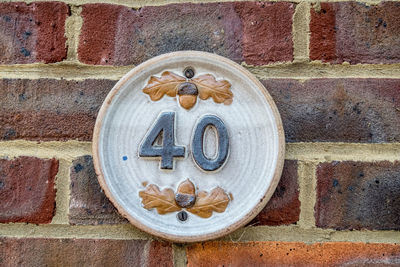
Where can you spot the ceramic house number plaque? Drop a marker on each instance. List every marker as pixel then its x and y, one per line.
pixel 188 146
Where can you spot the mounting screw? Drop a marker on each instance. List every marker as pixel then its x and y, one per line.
pixel 188 72
pixel 182 216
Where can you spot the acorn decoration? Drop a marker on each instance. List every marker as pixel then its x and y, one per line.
pixel 187 93
pixel 185 196
pixel 188 88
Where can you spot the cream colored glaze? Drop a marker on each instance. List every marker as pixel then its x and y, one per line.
pixel 252 117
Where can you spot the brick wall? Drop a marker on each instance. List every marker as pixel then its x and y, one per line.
pixel 333 69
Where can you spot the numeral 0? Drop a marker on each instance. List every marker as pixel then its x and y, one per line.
pixel 198 146
pixel 165 125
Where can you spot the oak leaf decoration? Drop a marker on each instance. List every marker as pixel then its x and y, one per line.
pixel 167 84
pixel 163 201
pixel 203 204
pixel 217 200
pixel 205 86
pixel 210 87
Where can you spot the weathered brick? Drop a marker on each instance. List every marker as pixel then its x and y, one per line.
pixel 88 204
pixel 292 254
pixel 47 109
pixel 284 205
pixel 357 195
pixel 32 33
pixel 323 33
pixel 83 252
pixel 338 110
pixel 355 32
pixel 257 33
pixel 133 36
pixel 27 192
pixel 267 31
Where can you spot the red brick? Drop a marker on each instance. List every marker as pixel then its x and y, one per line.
pixel 323 33
pixel 84 252
pixel 358 195
pixel 32 33
pixel 356 33
pixel 284 206
pixel 160 254
pixel 338 110
pixel 257 33
pixel 267 31
pixel 27 192
pixel 88 204
pixel 292 254
pixel 47 109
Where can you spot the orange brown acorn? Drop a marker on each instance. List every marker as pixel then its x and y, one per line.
pixel 188 88
pixel 202 204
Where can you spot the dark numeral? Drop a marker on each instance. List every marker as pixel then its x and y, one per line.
pixel 165 124
pixel 198 146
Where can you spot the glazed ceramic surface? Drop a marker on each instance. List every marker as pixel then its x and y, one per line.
pixel 246 178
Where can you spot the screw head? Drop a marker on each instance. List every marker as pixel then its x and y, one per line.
pixel 188 72
pixel 182 216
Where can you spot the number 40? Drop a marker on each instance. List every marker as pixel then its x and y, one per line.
pixel 165 125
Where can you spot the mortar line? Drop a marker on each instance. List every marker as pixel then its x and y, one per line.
pixel 63 193
pixel 327 152
pixel 308 152
pixel 307 193
pixel 290 233
pixel 300 32
pixel 142 3
pixel 295 233
pixel 119 232
pixel 67 70
pixel 179 253
pixel 73 26
pixel 53 149
pixel 319 70
pixel 71 70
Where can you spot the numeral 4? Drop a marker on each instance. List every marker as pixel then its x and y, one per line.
pixel 165 124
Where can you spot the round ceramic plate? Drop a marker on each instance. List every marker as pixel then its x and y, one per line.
pixel 188 146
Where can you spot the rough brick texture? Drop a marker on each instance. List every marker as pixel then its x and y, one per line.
pixel 357 195
pixel 257 33
pixel 27 192
pixel 338 110
pixel 267 31
pixel 32 33
pixel 292 254
pixel 88 204
pixel 47 109
pixel 355 33
pixel 284 206
pixel 83 252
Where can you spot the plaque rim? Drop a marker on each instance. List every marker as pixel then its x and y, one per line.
pixel 245 219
